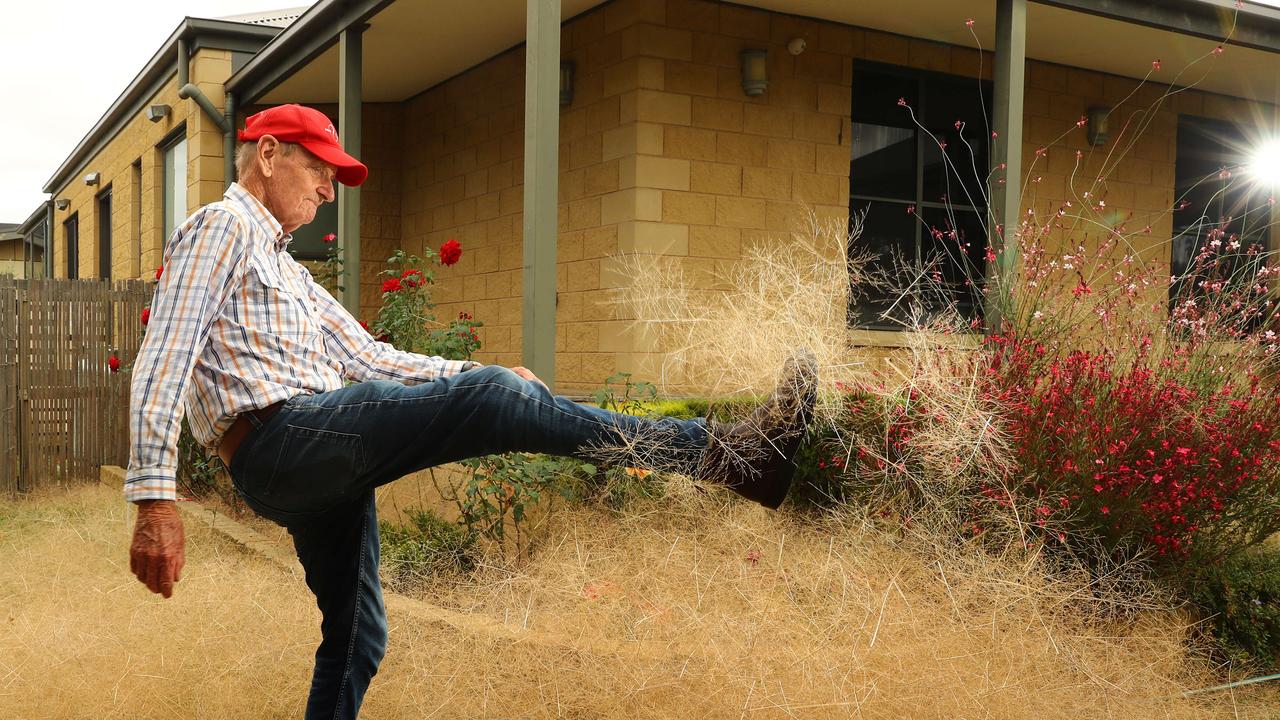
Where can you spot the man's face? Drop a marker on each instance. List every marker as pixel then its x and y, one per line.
pixel 299 184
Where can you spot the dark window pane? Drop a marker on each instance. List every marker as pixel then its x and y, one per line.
pixel 876 94
pixel 887 247
pixel 960 180
pixel 308 241
pixel 953 249
pixel 884 162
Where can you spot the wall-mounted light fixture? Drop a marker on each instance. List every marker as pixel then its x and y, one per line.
pixel 566 82
pixel 755 74
pixel 62 203
pixel 1097 132
pixel 92 178
pixel 156 113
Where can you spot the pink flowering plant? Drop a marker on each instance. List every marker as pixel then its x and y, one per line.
pixel 1116 410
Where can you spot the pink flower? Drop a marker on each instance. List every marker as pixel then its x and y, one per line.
pixel 450 252
pixel 329 238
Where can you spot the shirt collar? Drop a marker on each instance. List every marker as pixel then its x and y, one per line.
pixel 237 194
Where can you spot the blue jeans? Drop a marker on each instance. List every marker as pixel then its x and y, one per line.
pixel 313 466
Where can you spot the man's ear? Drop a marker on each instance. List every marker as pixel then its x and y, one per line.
pixel 268 151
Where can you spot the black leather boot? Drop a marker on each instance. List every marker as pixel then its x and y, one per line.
pixel 754 458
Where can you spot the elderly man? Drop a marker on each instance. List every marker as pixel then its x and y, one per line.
pixel 255 353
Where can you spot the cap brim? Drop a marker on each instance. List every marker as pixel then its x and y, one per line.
pixel 350 171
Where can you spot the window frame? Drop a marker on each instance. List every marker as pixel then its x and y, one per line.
pixel 856 316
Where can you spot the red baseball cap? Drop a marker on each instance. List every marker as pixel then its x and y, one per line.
pixel 312 130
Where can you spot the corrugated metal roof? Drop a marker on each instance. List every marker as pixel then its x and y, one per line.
pixel 274 18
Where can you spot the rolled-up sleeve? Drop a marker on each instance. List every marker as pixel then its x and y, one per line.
pixel 202 265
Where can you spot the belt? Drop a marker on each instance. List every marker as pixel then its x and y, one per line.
pixel 241 428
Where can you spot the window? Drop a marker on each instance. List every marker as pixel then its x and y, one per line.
pixel 1216 200
pixel 175 184
pixel 71 231
pixel 308 241
pixel 135 219
pixel 922 193
pixel 103 222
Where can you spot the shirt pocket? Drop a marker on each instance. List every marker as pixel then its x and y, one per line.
pixel 279 303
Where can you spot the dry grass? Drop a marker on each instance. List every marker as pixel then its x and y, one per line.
pixel 692 610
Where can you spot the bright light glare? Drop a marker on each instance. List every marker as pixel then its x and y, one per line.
pixel 1264 166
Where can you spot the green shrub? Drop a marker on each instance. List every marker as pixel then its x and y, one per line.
pixel 426 547
pixel 1240 603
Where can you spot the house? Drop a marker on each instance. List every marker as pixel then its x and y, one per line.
pixel 687 128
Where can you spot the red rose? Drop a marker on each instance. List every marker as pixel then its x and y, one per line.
pixel 329 238
pixel 450 252
pixel 411 278
pixel 146 315
pixel 391 285
pixel 113 363
pixel 159 272
pixel 364 325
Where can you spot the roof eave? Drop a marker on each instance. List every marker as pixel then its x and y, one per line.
pixel 1255 26
pixel 158 69
pixel 298 44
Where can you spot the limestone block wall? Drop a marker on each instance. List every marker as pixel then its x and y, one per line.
pixel 137 204
pixel 662 153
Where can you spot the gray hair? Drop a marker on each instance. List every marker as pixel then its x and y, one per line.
pixel 247 152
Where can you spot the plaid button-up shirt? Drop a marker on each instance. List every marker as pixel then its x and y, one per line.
pixel 237 324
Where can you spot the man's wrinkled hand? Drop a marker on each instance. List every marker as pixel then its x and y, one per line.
pixel 158 551
pixel 527 374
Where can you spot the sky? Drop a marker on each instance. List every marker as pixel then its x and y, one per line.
pixel 66 61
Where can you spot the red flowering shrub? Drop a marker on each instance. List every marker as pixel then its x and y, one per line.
pixel 1141 454
pixel 406 319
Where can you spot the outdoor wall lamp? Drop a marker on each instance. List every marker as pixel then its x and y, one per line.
pixel 156 113
pixel 755 76
pixel 62 203
pixel 92 178
pixel 1097 132
pixel 566 82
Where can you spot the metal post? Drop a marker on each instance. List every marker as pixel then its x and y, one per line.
pixel 349 109
pixel 1006 183
pixel 541 175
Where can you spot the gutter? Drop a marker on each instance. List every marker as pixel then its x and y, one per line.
pixel 158 70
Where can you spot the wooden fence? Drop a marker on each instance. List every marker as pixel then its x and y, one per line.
pixel 63 413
